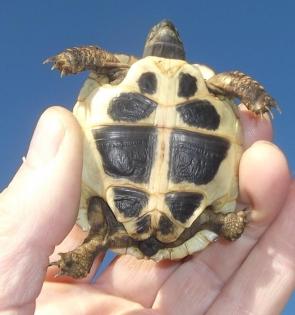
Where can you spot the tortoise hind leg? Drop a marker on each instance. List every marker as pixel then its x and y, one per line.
pixel 229 225
pixel 105 232
pixel 77 263
pixel 232 224
pixel 237 84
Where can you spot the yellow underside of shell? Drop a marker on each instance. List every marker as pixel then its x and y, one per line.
pixel 91 110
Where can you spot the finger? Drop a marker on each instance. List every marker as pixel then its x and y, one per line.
pixel 57 298
pixel 150 276
pixel 38 208
pixel 254 128
pixel 205 274
pixel 141 278
pixel 268 274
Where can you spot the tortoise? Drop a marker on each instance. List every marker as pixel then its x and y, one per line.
pixel 162 143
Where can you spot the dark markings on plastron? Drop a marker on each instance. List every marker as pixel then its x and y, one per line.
pixel 131 107
pixel 165 225
pixel 195 157
pixel 150 246
pixel 143 224
pixel 147 83
pixel 183 204
pixel 187 85
pixel 126 151
pixel 199 113
pixel 129 201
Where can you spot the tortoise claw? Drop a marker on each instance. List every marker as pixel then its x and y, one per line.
pixel 54 67
pixel 58 264
pixel 53 263
pixel 46 61
pixel 49 60
pixel 63 73
pixel 60 62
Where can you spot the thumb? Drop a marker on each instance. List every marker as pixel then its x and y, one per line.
pixel 38 208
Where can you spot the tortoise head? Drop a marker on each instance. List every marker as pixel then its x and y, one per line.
pixel 163 41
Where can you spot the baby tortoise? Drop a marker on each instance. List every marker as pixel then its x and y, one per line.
pixel 162 144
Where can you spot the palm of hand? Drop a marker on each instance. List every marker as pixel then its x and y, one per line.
pixel 253 275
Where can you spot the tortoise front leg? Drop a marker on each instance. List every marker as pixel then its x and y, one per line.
pixel 237 84
pixel 78 59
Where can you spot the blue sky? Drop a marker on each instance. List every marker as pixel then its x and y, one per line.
pixel 257 37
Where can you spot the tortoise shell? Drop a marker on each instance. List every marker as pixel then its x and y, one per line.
pixel 159 149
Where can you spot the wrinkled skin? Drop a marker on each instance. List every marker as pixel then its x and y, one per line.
pixel 255 274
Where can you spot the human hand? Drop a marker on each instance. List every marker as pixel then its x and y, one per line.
pixel 254 275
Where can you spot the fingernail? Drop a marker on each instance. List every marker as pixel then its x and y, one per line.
pixel 46 140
